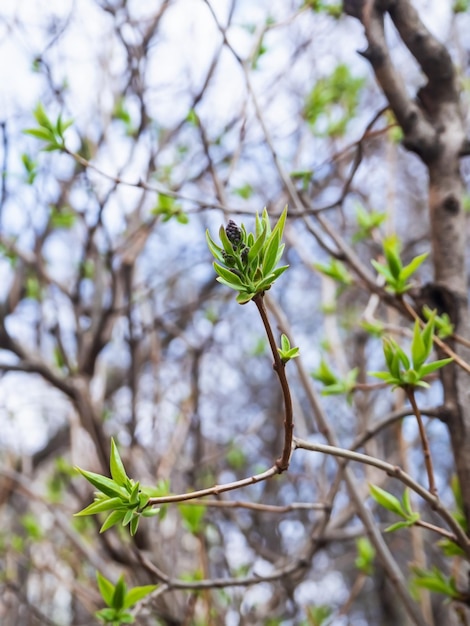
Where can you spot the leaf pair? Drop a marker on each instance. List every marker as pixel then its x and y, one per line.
pixel 125 500
pixel 335 385
pixel 51 133
pixel 118 599
pixel 246 262
pixel 286 352
pixel 402 507
pixel 409 371
pixel 168 208
pixel 396 275
pixel 335 270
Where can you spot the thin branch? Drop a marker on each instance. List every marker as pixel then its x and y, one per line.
pixel 262 508
pixel 383 552
pixel 388 421
pixel 216 489
pixel 424 440
pixel 396 472
pixel 280 368
pixel 220 583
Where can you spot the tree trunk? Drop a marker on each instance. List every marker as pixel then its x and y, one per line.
pixel 433 128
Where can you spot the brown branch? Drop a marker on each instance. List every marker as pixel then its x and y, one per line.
pixel 279 366
pixel 263 508
pixel 216 489
pixel 396 472
pixel 420 134
pixel 219 583
pixel 424 440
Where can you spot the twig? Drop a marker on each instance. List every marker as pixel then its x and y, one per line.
pixel 424 440
pixel 279 366
pixel 216 489
pixel 396 472
pixel 263 508
pixel 441 344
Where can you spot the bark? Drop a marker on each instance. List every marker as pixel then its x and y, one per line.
pixel 433 128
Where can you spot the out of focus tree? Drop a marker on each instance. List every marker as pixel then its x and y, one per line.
pixel 186 114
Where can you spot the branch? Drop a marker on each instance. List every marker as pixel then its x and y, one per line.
pixel 396 472
pixel 279 366
pixel 420 134
pixel 216 489
pixel 219 583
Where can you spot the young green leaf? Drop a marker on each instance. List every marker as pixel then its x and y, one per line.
pixel 116 466
pixel 120 590
pixel 411 268
pixel 113 518
pixel 134 525
pixel 104 484
pixel 418 349
pixel 106 588
pixel 387 500
pixel 192 516
pixel 99 506
pixel 136 594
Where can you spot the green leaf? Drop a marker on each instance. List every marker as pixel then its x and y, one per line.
pixel 385 376
pixel 280 223
pixel 214 248
pixel 129 514
pixel 62 126
pixel 40 133
pixel 106 588
pixel 387 500
pixel 406 501
pixel 120 590
pixel 192 515
pixel 230 278
pixel 136 594
pixel 41 117
pixel 108 616
pixel 435 581
pixel 418 349
pixel 270 252
pixel 411 268
pixel 285 343
pixel 116 466
pixel 226 243
pixel 257 247
pixel 99 506
pixel 450 548
pixel 324 374
pixel 244 297
pixel 335 270
pixel 427 334
pixel 245 192
pixel 134 493
pixel 104 484
pixel 113 518
pixel 278 271
pixel 382 269
pixel 391 251
pixel 134 525
pixel 365 555
pixel 428 368
pixel 151 512
pixel 401 354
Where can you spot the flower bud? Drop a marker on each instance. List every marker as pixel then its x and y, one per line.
pixel 229 260
pixel 234 234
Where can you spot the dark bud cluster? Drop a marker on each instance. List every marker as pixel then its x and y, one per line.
pixel 244 255
pixel 229 260
pixel 234 234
